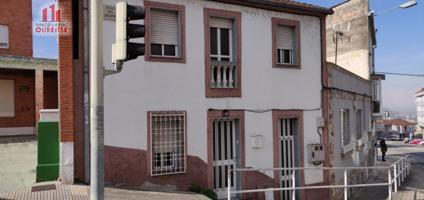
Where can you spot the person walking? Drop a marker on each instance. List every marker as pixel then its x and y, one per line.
pixel 383 148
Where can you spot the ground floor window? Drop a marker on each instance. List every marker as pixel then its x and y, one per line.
pixel 167 135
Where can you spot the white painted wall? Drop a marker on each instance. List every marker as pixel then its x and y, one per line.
pixel 149 86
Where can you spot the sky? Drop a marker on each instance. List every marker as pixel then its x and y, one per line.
pixel 400 48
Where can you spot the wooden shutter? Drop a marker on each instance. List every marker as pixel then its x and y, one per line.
pixel 285 37
pixel 164 27
pixel 220 22
pixel 4 36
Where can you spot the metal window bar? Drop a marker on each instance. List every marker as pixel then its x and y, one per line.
pixel 404 168
pixel 167 130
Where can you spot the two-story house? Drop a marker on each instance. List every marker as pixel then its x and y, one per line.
pixel 222 85
pixel 27 84
pixel 354 91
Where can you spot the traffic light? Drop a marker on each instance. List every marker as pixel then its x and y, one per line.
pixel 123 50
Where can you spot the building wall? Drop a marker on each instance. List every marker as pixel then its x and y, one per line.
pixel 420 110
pixel 50 90
pixel 17 15
pixel 24 86
pixel 353 49
pixel 151 86
pixel 343 95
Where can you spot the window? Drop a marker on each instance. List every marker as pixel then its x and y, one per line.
pixel 167 135
pixel 221 39
pixel 222 53
pixel 4 37
pixel 165 33
pixel 7 98
pixel 359 124
pixel 286 43
pixel 345 127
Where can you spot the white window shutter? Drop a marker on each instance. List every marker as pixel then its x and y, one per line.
pixel 285 37
pixel 164 27
pixel 220 22
pixel 4 36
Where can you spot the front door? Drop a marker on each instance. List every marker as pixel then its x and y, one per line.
pixel 225 154
pixel 288 158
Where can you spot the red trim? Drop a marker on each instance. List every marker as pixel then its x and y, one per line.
pixel 276 116
pixel 222 92
pixel 149 156
pixel 181 13
pixel 296 26
pixel 217 114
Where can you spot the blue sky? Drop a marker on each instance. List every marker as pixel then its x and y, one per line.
pixel 400 48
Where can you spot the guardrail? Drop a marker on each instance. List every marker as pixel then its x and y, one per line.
pixel 396 174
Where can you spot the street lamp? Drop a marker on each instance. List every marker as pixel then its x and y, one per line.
pixel 405 5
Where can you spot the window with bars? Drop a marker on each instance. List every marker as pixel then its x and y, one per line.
pixel 345 127
pixel 221 39
pixel 4 37
pixel 286 44
pixel 164 33
pixel 167 135
pixel 359 124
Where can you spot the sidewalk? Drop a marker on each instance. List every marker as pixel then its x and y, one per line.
pixel 58 191
pixel 411 189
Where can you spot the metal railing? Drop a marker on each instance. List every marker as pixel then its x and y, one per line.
pixel 396 174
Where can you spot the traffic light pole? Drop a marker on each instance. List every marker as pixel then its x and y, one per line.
pixel 96 101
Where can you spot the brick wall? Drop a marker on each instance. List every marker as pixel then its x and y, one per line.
pixel 24 98
pixel 66 76
pixel 17 15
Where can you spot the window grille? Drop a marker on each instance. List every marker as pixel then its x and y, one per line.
pixel 168 153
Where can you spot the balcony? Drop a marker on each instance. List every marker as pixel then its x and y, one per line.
pixel 222 75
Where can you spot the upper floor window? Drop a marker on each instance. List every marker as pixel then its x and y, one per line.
pixel 222 53
pixel 4 37
pixel 286 44
pixel 165 33
pixel 221 39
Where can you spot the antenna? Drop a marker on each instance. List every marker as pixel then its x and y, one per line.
pixel 340 31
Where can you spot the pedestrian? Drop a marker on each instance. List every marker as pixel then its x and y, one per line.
pixel 411 135
pixel 383 147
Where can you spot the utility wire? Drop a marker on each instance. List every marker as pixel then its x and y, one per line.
pixel 400 74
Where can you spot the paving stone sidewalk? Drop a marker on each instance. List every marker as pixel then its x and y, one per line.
pixel 58 191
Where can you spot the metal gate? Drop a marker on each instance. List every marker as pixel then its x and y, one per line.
pixel 287 157
pixel 224 154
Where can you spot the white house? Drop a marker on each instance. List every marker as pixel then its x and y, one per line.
pixel 420 110
pixel 222 85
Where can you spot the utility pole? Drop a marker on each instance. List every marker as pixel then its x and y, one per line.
pixel 96 101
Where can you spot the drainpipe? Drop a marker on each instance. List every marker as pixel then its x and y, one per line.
pixel 96 100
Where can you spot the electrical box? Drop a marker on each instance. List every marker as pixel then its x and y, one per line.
pixel 316 153
pixel 256 141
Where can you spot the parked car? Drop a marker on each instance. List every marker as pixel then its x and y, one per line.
pixel 394 138
pixel 416 141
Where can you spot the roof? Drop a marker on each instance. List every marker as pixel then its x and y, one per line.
pixel 282 6
pixel 397 122
pixel 422 90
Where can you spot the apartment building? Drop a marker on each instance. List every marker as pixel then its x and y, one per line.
pixel 27 84
pixel 222 85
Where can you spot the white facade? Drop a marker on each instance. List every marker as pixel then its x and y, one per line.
pixel 420 110
pixel 157 86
